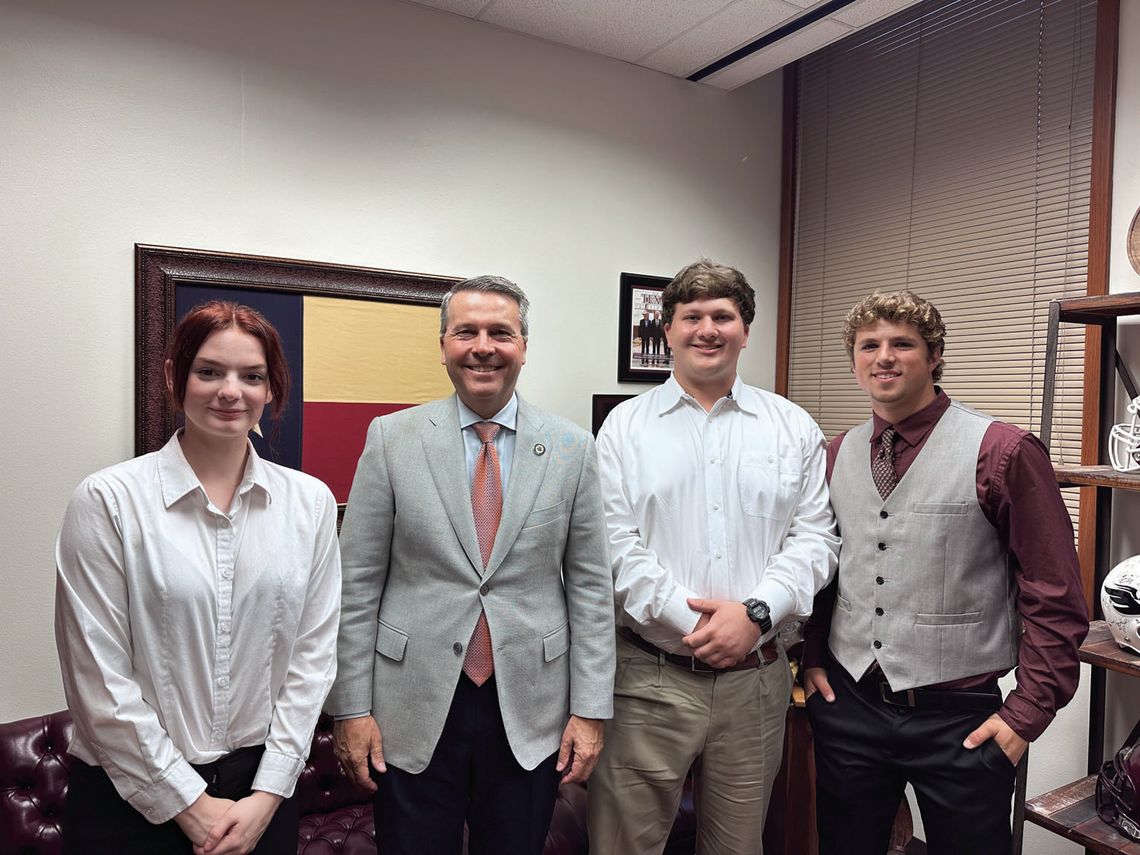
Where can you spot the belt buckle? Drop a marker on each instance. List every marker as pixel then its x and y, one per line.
pixel 885 691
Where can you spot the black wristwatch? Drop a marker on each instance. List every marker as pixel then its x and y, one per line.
pixel 759 614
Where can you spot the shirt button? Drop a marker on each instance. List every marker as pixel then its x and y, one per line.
pixel 717 556
pixel 484 589
pixel 712 460
pixel 227 574
pixel 878 580
pixel 457 647
pixel 882 546
pixel 716 507
pixel 223 627
pixel 223 681
pixel 883 515
pixel 879 612
pixel 218 734
pixel 878 644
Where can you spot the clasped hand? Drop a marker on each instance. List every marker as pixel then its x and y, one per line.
pixel 225 827
pixel 724 634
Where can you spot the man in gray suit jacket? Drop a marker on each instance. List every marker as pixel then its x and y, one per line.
pixel 451 725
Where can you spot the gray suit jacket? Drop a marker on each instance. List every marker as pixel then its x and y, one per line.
pixel 414 584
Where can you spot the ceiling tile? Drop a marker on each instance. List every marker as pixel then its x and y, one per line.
pixel 800 44
pixel 866 12
pixel 623 29
pixel 738 24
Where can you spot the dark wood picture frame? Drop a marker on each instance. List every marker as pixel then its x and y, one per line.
pixel 639 360
pixel 600 406
pixel 160 270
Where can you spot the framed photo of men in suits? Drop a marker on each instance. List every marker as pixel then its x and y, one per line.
pixel 643 351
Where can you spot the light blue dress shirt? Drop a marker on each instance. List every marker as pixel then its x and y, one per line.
pixel 504 441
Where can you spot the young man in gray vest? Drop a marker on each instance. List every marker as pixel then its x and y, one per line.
pixel 957 565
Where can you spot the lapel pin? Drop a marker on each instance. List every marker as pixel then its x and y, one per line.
pixel 539 449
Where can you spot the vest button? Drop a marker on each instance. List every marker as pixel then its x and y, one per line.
pixel 879 612
pixel 878 580
pixel 484 589
pixel 878 644
pixel 883 515
pixel 882 546
pixel 457 647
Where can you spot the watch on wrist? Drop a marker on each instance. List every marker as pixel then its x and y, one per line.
pixel 759 614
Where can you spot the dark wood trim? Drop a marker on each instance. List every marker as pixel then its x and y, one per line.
pixel 787 229
pixel 160 269
pixel 1100 228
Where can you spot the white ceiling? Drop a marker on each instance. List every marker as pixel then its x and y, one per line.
pixel 683 37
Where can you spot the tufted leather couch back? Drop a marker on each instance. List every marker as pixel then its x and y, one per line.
pixel 336 817
pixel 33 781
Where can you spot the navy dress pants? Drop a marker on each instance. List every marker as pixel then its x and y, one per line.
pixel 472 777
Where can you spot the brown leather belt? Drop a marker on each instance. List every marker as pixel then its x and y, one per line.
pixel 767 654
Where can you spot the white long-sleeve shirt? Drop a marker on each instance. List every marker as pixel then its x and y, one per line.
pixel 185 632
pixel 728 504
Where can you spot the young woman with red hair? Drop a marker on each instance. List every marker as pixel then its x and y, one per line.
pixel 197 602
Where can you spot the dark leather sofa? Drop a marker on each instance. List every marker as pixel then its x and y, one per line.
pixel 336 817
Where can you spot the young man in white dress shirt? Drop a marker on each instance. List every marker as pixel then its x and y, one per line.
pixel 720 530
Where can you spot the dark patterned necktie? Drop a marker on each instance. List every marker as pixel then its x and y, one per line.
pixel 487 505
pixel 883 467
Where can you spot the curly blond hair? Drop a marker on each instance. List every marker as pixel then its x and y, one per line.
pixel 898 307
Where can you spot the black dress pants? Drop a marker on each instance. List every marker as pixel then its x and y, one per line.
pixel 97 821
pixel 867 750
pixel 472 776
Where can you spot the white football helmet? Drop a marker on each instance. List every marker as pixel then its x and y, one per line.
pixel 1120 601
pixel 1124 441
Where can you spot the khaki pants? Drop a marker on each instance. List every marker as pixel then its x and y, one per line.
pixel 729 728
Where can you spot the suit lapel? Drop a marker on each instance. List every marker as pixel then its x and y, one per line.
pixel 443 448
pixel 528 469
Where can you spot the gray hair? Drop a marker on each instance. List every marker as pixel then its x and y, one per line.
pixel 494 285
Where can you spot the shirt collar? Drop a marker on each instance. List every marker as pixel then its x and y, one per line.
pixel 177 478
pixel 672 394
pixel 507 416
pixel 917 425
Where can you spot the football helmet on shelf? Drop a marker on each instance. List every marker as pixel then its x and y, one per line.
pixel 1118 788
pixel 1120 602
pixel 1124 441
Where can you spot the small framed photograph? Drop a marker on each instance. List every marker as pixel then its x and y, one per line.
pixel 643 351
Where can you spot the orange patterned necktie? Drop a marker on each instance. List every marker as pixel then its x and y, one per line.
pixel 487 504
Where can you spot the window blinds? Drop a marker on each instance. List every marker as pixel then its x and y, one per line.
pixel 947 150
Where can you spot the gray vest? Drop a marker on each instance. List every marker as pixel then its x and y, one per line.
pixel 923 583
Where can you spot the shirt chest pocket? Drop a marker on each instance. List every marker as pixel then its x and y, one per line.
pixel 769 485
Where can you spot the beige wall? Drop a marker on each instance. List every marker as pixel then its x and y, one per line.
pixel 354 131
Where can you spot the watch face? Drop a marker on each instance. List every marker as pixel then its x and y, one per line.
pixel 758 611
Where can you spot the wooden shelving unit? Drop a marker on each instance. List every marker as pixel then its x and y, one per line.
pixel 1101 649
pixel 1070 811
pixel 1096 476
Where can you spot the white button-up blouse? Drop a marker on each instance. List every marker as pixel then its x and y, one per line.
pixel 185 632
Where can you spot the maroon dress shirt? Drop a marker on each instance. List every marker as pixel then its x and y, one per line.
pixel 1017 492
